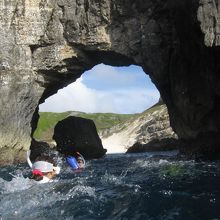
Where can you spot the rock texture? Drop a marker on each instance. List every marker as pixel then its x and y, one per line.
pixel 40 148
pixel 166 144
pixel 152 126
pixel 47 44
pixel 78 134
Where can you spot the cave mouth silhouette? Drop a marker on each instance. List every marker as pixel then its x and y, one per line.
pixel 102 89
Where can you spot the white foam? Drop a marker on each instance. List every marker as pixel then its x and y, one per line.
pixel 33 196
pixel 117 180
pixel 18 183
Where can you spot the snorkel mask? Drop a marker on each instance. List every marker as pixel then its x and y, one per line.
pixel 81 158
pixel 40 167
pixel 73 161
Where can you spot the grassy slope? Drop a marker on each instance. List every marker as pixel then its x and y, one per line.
pixel 102 121
pixel 46 124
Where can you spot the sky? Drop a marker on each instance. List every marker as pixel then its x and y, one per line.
pixel 123 90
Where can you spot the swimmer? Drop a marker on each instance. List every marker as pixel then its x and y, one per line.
pixel 76 162
pixel 81 162
pixel 43 169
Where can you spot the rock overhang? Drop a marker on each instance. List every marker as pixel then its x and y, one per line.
pixel 48 44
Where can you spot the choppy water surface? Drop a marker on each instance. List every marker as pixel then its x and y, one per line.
pixel 135 186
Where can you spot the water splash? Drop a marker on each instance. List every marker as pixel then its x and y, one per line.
pixel 18 183
pixel 113 179
pixel 116 187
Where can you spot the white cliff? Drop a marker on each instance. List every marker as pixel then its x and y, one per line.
pixel 153 124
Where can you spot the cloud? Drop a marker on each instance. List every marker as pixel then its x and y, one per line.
pixel 78 97
pixel 105 89
pixel 104 77
pixel 127 101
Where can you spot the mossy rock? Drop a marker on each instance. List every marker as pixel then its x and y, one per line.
pixel 173 170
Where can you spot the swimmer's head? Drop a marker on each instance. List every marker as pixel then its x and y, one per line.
pixel 80 162
pixel 44 167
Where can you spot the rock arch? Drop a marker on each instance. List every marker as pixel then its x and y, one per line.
pixel 46 45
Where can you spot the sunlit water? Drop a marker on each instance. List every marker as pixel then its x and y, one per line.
pixel 133 186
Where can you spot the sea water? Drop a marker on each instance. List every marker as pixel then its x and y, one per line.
pixel 118 186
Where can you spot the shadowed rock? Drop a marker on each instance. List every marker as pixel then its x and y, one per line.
pixel 40 148
pixel 165 144
pixel 78 134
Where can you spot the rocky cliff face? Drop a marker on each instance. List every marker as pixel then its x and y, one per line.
pixel 149 126
pixel 47 44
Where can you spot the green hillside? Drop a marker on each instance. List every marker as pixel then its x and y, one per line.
pixel 48 120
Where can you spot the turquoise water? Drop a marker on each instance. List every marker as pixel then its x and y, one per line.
pixel 132 186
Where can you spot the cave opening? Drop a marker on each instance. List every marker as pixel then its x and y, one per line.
pixel 108 95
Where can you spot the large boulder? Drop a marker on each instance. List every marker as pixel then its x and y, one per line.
pixel 78 134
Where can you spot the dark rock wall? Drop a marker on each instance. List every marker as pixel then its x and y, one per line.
pixel 45 45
